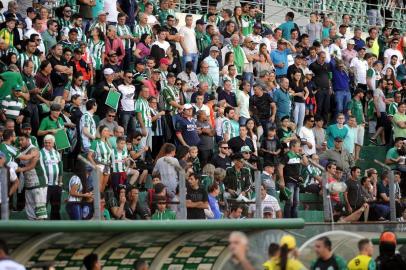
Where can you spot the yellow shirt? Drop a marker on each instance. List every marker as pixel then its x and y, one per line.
pixel 361 262
pixel 292 264
pixel 375 48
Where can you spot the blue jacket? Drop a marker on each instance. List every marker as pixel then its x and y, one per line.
pixel 341 80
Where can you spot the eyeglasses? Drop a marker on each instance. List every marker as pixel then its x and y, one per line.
pixel 112 116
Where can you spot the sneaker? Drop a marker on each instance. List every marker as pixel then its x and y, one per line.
pixel 372 140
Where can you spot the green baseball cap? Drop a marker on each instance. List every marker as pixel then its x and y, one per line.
pixel 17 87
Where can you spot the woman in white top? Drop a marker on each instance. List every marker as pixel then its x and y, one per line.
pixel 74 205
pixel 252 133
pixel 77 88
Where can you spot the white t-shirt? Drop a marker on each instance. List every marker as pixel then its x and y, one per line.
pixel 163 45
pixel 75 180
pixel 335 50
pixel 268 202
pixel 152 20
pixel 111 8
pixel 189 37
pixel 9 264
pixel 360 68
pixel 390 52
pixel 243 101
pixel 308 135
pixel 127 98
pixel 204 108
pixel 13 178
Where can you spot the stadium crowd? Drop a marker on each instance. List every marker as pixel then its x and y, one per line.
pixel 141 94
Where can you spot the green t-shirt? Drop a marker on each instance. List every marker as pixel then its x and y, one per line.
pixel 47 123
pixel 12 79
pixel 371 110
pixel 398 131
pixel 332 132
pixel 165 215
pixel 392 154
pixel 355 106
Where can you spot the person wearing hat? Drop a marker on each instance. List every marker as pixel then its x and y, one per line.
pixel 251 52
pixel 388 258
pixel 237 181
pixel 349 53
pixel 214 67
pixel 287 253
pixel 81 66
pixel 280 57
pixel 171 95
pixel 53 122
pixel 12 105
pixel 326 259
pixel 202 37
pixel 100 18
pixel 339 155
pixel 186 129
pixel 102 90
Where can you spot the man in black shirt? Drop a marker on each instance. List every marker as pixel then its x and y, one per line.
pixel 326 259
pixel 196 199
pixel 222 159
pixel 262 107
pixel 322 83
pixel 295 67
pixel 237 142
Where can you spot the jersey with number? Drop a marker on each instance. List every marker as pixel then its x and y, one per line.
pixel 361 262
pixel 142 106
pixel 51 161
pixel 118 160
pixel 102 151
pixel 96 53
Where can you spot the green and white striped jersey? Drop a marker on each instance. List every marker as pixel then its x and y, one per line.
pixel 12 106
pixel 81 37
pixel 96 51
pixel 24 57
pixel 139 30
pixel 102 26
pixel 170 93
pixel 51 162
pixel 102 151
pixel 118 160
pixel 230 127
pixel 392 109
pixel 75 180
pixel 142 106
pixel 123 30
pixel 87 121
pixel 9 150
pixel 63 23
pixel 34 178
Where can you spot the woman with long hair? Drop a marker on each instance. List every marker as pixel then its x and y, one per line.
pixel 11 59
pixel 237 18
pixel 300 94
pixel 143 48
pixel 97 52
pixel 390 76
pixel 288 254
pixel 252 133
pixel 100 155
pixel 78 88
pixel 272 83
pixel 228 60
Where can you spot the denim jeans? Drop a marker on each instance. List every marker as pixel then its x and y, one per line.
pixel 342 100
pixel 74 210
pixel 128 121
pixel 299 113
pixel 194 57
pixel 291 205
pixel 374 18
pixel 249 77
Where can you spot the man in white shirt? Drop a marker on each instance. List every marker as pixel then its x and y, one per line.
pixel 127 114
pixel 270 206
pixel 111 10
pixel 36 27
pixel 393 51
pixel 31 14
pixel 307 136
pixel 152 20
pixel 359 67
pixel 188 43
pixel 256 35
pixel 335 48
pixel 211 60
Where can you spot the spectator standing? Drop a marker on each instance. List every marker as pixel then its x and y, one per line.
pixel 196 199
pixel 189 45
pixel 186 129
pixel 279 57
pixel 338 154
pixel 307 136
pixel 355 109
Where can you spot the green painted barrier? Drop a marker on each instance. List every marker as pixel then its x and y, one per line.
pixel 148 225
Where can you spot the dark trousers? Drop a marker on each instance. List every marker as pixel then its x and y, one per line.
pixel 157 142
pixel 34 116
pixel 323 104
pixel 205 156
pixel 54 195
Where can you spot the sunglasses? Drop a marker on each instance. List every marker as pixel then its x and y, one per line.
pixel 390 83
pixel 112 116
pixel 226 147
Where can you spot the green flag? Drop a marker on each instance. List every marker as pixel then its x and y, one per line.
pixel 61 139
pixel 112 99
